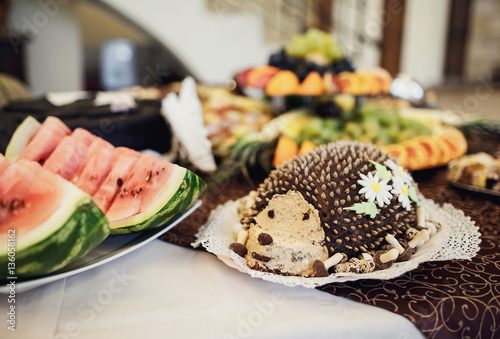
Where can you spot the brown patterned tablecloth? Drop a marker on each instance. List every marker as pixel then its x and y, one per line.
pixel 446 299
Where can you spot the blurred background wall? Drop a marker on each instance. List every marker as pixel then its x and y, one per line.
pixel 437 42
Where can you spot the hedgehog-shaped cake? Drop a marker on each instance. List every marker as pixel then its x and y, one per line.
pixel 343 207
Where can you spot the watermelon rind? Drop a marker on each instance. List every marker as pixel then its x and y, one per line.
pixel 184 188
pixel 21 137
pixel 72 231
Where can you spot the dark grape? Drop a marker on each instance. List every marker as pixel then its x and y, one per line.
pixel 328 109
pixel 284 61
pixel 342 65
pixel 301 74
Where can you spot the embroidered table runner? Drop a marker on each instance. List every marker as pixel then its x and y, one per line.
pixel 456 298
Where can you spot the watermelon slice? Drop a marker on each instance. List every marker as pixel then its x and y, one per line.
pixel 94 167
pixel 21 137
pixel 54 222
pixel 136 192
pixel 122 164
pixel 15 181
pixel 16 178
pixel 155 191
pixel 69 153
pixel 41 144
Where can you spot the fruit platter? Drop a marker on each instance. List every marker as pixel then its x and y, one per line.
pixel 65 192
pixel 418 141
pixel 312 64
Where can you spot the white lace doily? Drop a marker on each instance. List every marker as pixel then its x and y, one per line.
pixel 458 238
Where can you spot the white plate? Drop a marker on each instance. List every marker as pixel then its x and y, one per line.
pixel 111 248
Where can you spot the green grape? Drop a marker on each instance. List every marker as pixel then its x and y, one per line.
pixel 384 138
pixel 314 40
pixel 297 47
pixel 403 135
pixel 392 133
pixel 332 123
pixel 354 130
pixel 371 127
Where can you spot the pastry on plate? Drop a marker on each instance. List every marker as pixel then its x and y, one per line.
pixel 342 207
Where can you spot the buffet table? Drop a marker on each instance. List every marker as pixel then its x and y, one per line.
pixel 169 289
pixel 444 299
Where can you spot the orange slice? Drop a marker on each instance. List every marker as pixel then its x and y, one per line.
pixel 285 150
pixel 283 83
pixel 260 76
pixel 312 85
pixel 306 146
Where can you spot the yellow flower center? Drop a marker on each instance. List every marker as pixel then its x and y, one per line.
pixel 376 187
pixel 405 190
pixel 400 170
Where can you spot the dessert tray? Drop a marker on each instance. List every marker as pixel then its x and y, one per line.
pixel 474 188
pixel 458 238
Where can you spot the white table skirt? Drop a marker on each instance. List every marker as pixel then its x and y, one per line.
pixel 167 291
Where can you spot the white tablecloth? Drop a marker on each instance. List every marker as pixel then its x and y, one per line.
pixel 165 291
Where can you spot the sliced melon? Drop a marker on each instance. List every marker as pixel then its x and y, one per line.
pixel 15 180
pixel 123 162
pixel 94 167
pixel 69 153
pixel 118 178
pixel 156 192
pixel 54 222
pixel 42 143
pixel 431 149
pixel 21 137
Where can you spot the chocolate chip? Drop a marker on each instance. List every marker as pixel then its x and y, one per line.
pixel 238 248
pixel 319 269
pixel 270 214
pixel 265 239
pixel 119 182
pixel 259 257
pixel 306 216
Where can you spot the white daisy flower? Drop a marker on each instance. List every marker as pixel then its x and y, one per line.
pixel 401 189
pixel 399 171
pixel 375 189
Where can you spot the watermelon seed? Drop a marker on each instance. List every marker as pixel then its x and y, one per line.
pixel 4 204
pixel 139 190
pixel 149 176
pixel 157 172
pixel 119 182
pixel 13 205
